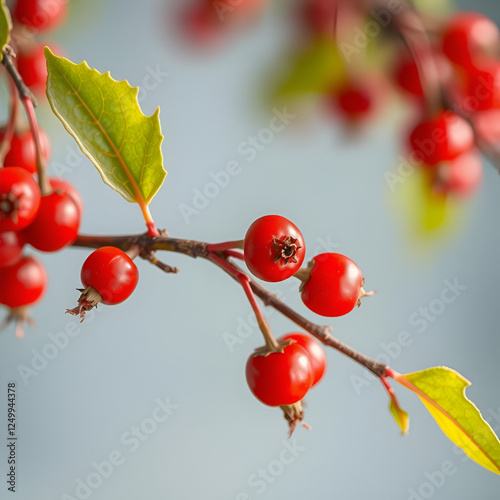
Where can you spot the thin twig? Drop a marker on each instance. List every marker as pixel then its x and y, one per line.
pixel 199 249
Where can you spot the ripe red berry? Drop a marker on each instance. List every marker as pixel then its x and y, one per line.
pixel 56 224
pixel 19 199
pixel 11 247
pixel 112 273
pixel 442 138
pixel 23 283
pixel 41 15
pixel 483 87
pixel 354 101
pixel 274 248
pixel 461 176
pixel 33 68
pixel 22 152
pixel 280 378
pixel 335 285
pixel 201 25
pixel 468 37
pixel 314 351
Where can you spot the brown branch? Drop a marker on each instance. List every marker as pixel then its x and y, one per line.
pixel 24 91
pixel 195 249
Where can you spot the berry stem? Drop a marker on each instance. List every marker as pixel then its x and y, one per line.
pixel 41 164
pixel 226 245
pixel 235 254
pixel 271 342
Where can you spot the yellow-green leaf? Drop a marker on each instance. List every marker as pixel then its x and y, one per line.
pixel 442 390
pixel 315 70
pixel 400 416
pixel 104 117
pixel 5 26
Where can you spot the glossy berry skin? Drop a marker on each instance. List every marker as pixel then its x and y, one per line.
pixel 274 248
pixel 33 69
pixel 19 199
pixel 41 15
pixel 23 283
pixel 280 378
pixel 462 176
pixel 11 247
pixel 112 273
pixel 56 223
pixel 58 184
pixel 22 152
pixel 314 351
pixel 442 138
pixel 468 37
pixel 334 286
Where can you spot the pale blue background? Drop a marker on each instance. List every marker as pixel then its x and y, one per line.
pixel 167 340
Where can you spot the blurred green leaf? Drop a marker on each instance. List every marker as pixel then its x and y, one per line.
pixel 315 70
pixel 5 26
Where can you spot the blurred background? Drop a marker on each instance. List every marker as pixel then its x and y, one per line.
pixel 148 399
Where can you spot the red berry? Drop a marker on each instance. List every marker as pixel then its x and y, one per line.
pixel 314 351
pixel 112 273
pixel 320 16
pixel 11 247
pixel 56 224
pixel 33 68
pixel 483 87
pixel 469 36
pixel 354 101
pixel 280 378
pixel 442 138
pixel 22 283
pixel 22 152
pixel 461 176
pixel 19 199
pixel 274 248
pixel 334 286
pixel 201 24
pixel 41 15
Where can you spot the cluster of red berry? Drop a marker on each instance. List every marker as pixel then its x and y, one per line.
pixel 32 17
pixel 274 249
pixel 48 223
pixel 281 373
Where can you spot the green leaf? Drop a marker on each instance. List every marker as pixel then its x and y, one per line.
pixel 442 390
pixel 315 70
pixel 104 117
pixel 5 26
pixel 400 416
